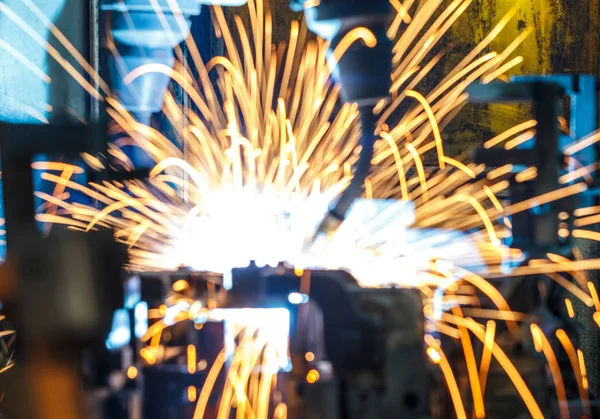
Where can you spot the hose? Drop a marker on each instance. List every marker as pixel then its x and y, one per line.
pixel 337 213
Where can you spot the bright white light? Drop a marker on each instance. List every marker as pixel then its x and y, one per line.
pixel 227 280
pixel 376 243
pixel 120 334
pixel 272 324
pixel 174 311
pixel 237 228
pixel 141 319
pixel 297 298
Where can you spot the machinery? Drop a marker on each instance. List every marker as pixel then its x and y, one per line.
pixel 359 342
pixel 146 32
pixel 363 74
pixel 366 345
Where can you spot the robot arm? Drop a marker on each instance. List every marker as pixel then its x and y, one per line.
pixel 363 74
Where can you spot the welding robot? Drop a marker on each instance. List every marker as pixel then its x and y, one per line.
pixel 371 338
pixel 368 355
pixel 367 343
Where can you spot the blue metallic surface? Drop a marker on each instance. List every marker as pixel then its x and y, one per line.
pixel 22 92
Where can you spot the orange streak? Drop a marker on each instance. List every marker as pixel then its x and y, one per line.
pixel 581 212
pixel 509 133
pixel 460 166
pixel 521 139
pixel 486 356
pixel 583 143
pixel 398 161
pixel 527 174
pixel 572 354
pixel 505 363
pixel 191 359
pixel 545 198
pixel 208 386
pixel 352 36
pixel 472 372
pixel 586 234
pixel 449 378
pixel 570 309
pixel 501 171
pixel 434 125
pixel 594 294
pixel 501 70
pixel 559 385
pixel 586 221
pixel 487 222
pixel 48 165
pixel 584 380
pixel 572 288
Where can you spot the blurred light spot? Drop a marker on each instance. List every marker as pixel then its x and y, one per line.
pixel 312 376
pixel 297 298
pixel 132 372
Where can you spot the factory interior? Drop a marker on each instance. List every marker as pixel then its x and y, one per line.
pixel 299 209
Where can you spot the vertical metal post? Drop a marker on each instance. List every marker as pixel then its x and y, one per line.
pixel 94 32
pixel 547 107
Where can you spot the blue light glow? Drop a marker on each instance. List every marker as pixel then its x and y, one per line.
pixel 297 298
pixel 141 319
pixel 120 334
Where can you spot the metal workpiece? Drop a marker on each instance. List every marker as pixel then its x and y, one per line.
pixel 142 37
pixel 366 344
pixel 373 339
pixel 144 95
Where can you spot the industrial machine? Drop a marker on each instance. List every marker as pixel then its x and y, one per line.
pixel 364 346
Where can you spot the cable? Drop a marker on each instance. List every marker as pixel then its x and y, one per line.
pixel 337 213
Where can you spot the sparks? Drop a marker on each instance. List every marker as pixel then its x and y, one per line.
pixel 265 151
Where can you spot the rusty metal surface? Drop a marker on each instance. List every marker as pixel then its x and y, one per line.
pixel 564 40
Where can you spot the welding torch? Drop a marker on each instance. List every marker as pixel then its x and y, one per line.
pixel 363 74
